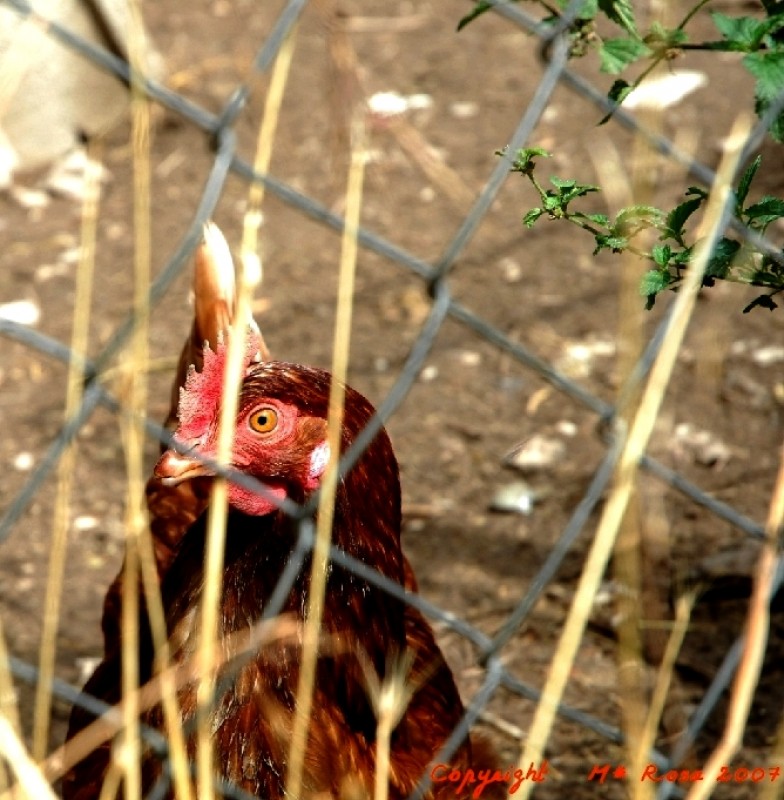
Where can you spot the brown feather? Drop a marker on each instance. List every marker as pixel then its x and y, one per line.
pixel 362 626
pixel 366 633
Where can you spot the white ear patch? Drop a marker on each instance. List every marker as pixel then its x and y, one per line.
pixel 319 459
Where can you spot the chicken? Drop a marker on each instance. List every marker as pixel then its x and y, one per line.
pixel 174 508
pixel 367 635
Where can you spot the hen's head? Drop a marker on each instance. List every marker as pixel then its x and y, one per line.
pixel 281 428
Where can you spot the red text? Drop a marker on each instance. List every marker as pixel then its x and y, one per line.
pixel 478 780
pixel 651 773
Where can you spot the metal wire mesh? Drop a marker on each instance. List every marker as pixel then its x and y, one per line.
pixel 218 128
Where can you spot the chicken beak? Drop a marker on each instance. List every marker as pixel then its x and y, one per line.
pixel 173 468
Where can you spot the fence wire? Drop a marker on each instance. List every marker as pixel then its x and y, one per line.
pixel 218 129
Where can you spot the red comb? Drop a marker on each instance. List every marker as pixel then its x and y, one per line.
pixel 201 395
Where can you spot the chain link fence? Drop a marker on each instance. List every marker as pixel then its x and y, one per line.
pixel 218 128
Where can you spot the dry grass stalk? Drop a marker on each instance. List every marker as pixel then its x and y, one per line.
pixel 391 697
pixel 235 646
pixel 32 785
pixel 113 780
pixel 136 402
pixel 344 90
pixel 386 25
pixel 9 709
pixel 250 277
pixel 340 357
pixel 178 754
pixel 645 743
pixel 216 532
pixel 774 790
pixel 634 447
pixel 390 701
pixel 67 464
pixel 623 191
pixel 431 163
pixel 644 534
pixel 757 627
pixel 249 247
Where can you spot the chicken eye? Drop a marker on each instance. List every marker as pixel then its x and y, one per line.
pixel 263 420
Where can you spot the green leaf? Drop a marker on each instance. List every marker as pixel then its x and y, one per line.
pixel 528 153
pixel 745 183
pixel 767 210
pixel 747 260
pixel 633 219
pixel 560 183
pixel 776 129
pixel 721 259
pixel 553 202
pixel 475 12
pixel 617 54
pixel 763 277
pixel 661 38
pixel 524 158
pixel 772 264
pixel 619 91
pixel 615 243
pixel 742 33
pixel 682 257
pixel 569 189
pixel 748 34
pixel 677 218
pixel 661 254
pixel 771 25
pixel 531 217
pixel 597 219
pixel 768 69
pixel 587 11
pixel 620 12
pixel 763 301
pixel 654 281
pixel 579 191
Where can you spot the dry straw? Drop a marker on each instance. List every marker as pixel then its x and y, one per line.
pixel 641 749
pixel 216 536
pixel 623 191
pixel 9 710
pixel 31 783
pixel 340 356
pixel 250 277
pixel 634 448
pixel 644 530
pixel 178 676
pixel 757 628
pixel 67 464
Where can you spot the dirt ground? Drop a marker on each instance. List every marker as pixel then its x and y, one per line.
pixel 720 426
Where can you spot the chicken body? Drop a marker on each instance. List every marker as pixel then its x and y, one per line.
pixel 280 439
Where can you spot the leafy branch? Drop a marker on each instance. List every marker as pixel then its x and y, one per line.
pixel 732 259
pixel 761 40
